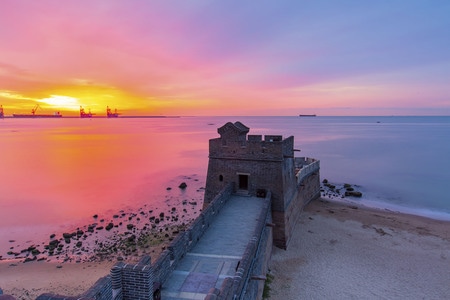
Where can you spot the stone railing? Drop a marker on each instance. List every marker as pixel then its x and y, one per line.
pixel 307 167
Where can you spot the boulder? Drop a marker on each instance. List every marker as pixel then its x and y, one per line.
pixel 353 194
pixel 109 226
pixel 182 185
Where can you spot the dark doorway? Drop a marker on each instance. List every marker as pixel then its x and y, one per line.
pixel 243 182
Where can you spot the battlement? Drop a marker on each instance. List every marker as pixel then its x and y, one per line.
pixel 235 144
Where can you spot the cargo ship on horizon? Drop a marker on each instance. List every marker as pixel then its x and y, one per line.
pixel 34 115
pixel 111 114
pixel 84 114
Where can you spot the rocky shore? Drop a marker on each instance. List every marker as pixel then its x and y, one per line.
pixel 92 249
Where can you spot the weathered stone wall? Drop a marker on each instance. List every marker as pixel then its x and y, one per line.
pixel 261 176
pixel 101 290
pixel 308 189
pixel 260 159
pixel 137 282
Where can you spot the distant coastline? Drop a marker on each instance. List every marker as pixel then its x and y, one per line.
pixel 94 117
pixel 312 115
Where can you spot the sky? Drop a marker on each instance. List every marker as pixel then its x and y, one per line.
pixel 233 57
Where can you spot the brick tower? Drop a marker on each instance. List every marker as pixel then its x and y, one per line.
pixel 255 166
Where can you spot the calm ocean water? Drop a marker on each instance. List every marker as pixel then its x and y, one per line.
pixel 57 173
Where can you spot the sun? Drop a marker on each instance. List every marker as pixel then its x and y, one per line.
pixel 64 102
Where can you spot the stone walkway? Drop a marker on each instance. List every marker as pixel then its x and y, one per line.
pixel 218 253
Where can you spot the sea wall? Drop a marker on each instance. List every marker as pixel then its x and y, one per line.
pixel 308 189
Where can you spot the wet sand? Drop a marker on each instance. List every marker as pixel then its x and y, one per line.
pixel 345 251
pixel 29 280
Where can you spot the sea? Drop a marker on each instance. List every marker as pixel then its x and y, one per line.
pixel 56 174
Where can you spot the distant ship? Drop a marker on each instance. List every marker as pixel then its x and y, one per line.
pixel 111 114
pixel 84 114
pixel 34 115
pixel 1 111
pixel 307 115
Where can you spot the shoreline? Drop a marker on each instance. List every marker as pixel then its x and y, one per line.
pixel 323 226
pixel 369 215
pixel 343 251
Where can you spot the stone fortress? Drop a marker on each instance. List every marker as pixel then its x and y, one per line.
pixel 255 166
pixel 255 191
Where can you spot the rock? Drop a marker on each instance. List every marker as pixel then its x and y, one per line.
pixel 168 188
pixel 325 181
pixel 353 194
pixel 95 216
pixel 35 252
pixel 330 186
pixel 67 235
pixel 79 244
pixel 52 236
pixel 30 259
pixel 53 243
pixel 109 226
pixel 182 185
pixel 130 226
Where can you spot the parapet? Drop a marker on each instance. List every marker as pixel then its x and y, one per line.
pixel 235 144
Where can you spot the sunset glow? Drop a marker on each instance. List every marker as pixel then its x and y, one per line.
pixel 65 102
pixel 226 58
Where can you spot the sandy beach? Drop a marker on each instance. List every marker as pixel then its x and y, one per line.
pixel 29 280
pixel 345 251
